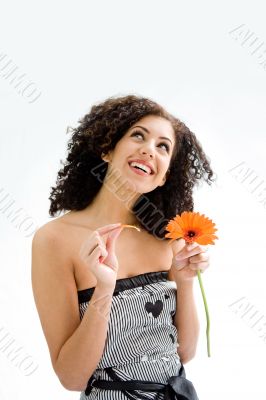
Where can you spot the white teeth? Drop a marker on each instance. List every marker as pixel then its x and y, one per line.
pixel 142 166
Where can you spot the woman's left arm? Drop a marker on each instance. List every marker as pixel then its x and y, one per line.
pixel 186 322
pixel 184 267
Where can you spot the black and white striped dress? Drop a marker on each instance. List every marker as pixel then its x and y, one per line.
pixel 142 339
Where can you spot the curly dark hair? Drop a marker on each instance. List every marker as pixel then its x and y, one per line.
pixel 98 132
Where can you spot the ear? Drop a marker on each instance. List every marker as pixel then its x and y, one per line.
pixel 105 157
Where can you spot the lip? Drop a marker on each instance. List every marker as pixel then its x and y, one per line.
pixel 143 162
pixel 139 172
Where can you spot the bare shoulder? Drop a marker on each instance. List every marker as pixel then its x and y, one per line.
pixel 49 230
pixel 48 239
pixel 59 232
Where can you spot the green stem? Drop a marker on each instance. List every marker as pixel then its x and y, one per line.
pixel 206 311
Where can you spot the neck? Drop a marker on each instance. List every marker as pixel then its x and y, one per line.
pixel 114 204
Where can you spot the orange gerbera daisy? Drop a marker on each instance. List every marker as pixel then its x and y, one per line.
pixel 192 227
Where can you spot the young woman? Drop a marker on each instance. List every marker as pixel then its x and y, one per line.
pixel 116 304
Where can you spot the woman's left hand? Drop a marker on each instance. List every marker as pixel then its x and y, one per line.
pixel 188 260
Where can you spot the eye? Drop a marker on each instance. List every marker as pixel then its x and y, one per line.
pixel 166 146
pixel 136 133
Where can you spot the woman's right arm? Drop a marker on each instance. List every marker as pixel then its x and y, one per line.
pixel 75 346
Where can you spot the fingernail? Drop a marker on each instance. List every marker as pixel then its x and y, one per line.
pixel 119 223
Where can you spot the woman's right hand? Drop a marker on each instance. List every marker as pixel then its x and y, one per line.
pixel 100 257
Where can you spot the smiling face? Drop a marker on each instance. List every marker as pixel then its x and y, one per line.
pixel 151 140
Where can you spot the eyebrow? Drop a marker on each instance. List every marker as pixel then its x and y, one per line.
pixel 146 130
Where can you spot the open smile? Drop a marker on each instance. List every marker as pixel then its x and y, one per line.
pixel 139 171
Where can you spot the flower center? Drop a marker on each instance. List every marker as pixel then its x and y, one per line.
pixel 191 233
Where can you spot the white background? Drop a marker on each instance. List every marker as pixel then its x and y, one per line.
pixel 182 55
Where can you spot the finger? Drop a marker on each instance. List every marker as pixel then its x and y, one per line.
pixel 104 253
pixel 202 266
pixel 199 258
pixel 190 246
pixel 97 246
pixel 188 250
pixel 95 255
pixel 111 239
pixel 99 240
pixel 85 251
pixel 194 251
pixel 185 254
pixel 107 228
pixel 180 263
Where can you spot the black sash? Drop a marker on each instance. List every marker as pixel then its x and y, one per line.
pixel 177 387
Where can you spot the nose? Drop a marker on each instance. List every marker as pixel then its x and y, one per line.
pixel 148 150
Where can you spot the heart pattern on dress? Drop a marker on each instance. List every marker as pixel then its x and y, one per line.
pixel 155 309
